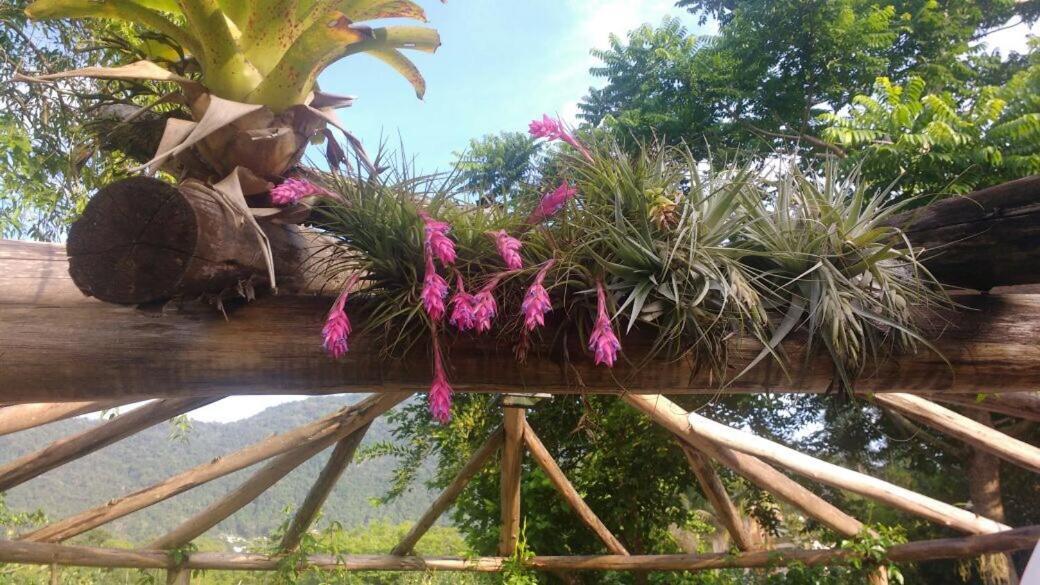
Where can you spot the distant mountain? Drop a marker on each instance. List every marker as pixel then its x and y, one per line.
pixel 152 456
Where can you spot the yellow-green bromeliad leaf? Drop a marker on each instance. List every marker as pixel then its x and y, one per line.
pixel 267 52
pixel 294 76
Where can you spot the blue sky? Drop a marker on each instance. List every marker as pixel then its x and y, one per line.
pixel 502 63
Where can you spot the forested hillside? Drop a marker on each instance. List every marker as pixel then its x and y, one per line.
pixel 153 455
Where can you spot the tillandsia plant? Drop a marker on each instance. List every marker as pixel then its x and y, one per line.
pixel 654 238
pixel 255 103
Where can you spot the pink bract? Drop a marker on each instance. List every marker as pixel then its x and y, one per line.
pixel 508 249
pixel 291 191
pixel 435 290
pixel 603 342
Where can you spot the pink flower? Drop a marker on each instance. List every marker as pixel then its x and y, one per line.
pixel 337 326
pixel 440 390
pixel 462 316
pixel 552 203
pixel 536 301
pixel 603 342
pixel 484 306
pixel 435 290
pixel 292 190
pixel 553 129
pixel 547 127
pixel 437 239
pixel 508 249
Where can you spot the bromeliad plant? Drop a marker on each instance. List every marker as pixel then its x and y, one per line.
pixel 654 238
pixel 255 102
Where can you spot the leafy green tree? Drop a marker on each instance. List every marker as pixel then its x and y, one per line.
pixel 943 142
pixel 496 167
pixel 774 66
pixel 49 160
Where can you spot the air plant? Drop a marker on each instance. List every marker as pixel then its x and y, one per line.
pixel 255 103
pixel 742 252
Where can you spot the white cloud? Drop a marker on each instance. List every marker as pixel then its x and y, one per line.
pixel 1012 39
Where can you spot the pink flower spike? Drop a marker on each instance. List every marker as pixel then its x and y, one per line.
pixel 603 342
pixel 462 316
pixel 508 249
pixel 536 301
pixel 435 290
pixel 291 191
pixel 440 390
pixel 546 128
pixel 336 330
pixel 484 306
pixel 437 239
pixel 552 203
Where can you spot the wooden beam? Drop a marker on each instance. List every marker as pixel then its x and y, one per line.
pixel 840 477
pixel 62 451
pixel 447 497
pixel 983 239
pixel 38 553
pixel 268 347
pixel 341 457
pixel 1018 404
pixel 715 492
pixel 339 424
pixel 669 415
pixel 514 418
pixel 563 485
pixel 249 490
pixel 19 417
pixel 966 429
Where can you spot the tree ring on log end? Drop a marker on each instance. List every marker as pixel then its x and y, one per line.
pixel 133 242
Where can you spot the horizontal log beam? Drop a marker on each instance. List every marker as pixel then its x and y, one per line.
pixel 38 553
pixel 981 240
pixel 272 346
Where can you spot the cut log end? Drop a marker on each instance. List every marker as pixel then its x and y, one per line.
pixel 133 242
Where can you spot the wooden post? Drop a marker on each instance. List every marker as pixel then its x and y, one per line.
pixel 68 449
pixel 968 430
pixel 450 493
pixel 839 477
pixel 715 492
pixel 669 415
pixel 19 417
pixel 512 461
pixel 338 425
pixel 341 457
pixel 541 456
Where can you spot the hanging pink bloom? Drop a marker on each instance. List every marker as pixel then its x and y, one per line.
pixel 549 128
pixel 291 191
pixel 536 301
pixel 437 239
pixel 508 249
pixel 462 315
pixel 337 326
pixel 552 203
pixel 440 390
pixel 603 342
pixel 553 129
pixel 484 306
pixel 435 290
